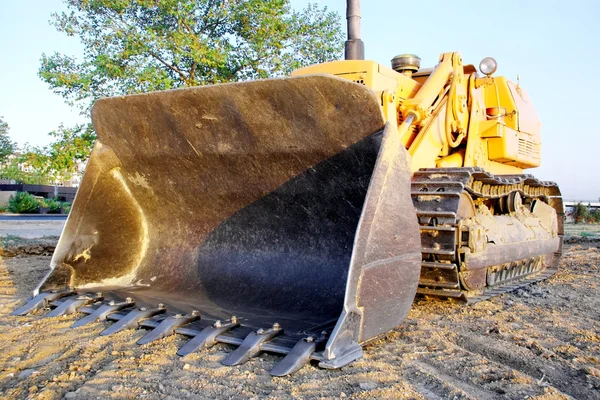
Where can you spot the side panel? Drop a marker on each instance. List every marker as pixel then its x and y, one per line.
pixel 515 139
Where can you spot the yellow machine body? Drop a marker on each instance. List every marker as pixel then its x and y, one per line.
pixel 492 122
pixel 302 215
pixel 453 121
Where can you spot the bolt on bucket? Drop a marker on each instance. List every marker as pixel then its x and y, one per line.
pixel 278 201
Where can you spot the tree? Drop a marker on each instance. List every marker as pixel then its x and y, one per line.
pixel 61 158
pixel 580 213
pixel 7 146
pixel 133 46
pixel 594 216
pixel 58 160
pixel 71 146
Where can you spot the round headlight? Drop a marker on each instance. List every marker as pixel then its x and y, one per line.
pixel 488 66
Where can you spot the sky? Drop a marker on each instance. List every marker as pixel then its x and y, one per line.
pixel 553 45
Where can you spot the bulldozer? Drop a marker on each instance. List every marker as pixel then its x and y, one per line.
pixel 302 215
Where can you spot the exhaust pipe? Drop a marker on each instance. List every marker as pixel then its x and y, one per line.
pixel 355 47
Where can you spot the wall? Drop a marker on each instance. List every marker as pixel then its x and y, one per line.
pixel 4 196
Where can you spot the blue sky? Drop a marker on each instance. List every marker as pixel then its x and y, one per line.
pixel 551 44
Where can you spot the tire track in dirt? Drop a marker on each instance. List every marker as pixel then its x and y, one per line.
pixel 495 349
pixel 567 380
pixel 442 384
pixel 472 372
pixel 471 375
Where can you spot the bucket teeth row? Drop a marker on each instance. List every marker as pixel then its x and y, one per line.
pixel 208 336
pixel 297 358
pixel 40 301
pixel 70 305
pixel 103 311
pixel 128 317
pixel 168 325
pixel 132 319
pixel 250 347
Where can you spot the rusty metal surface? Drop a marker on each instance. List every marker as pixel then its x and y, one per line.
pixel 276 201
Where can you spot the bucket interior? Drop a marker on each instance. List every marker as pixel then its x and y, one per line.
pixel 238 199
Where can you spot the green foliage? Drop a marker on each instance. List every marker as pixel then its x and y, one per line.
pixel 65 207
pixel 580 213
pixel 584 214
pixel 26 203
pixel 594 216
pixel 53 206
pixel 7 146
pixel 8 240
pixel 3 207
pixel 134 46
pixel 23 203
pixel 12 172
pixel 59 159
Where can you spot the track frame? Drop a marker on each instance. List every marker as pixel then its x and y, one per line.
pixel 436 194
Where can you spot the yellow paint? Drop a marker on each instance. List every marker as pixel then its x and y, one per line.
pixel 459 119
pixel 86 255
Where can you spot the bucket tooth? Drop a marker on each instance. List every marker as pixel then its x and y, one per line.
pixel 208 336
pixel 250 347
pixel 297 358
pixel 168 325
pixel 132 319
pixel 103 311
pixel 40 301
pixel 70 306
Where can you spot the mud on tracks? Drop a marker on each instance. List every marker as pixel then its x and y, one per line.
pixel 540 342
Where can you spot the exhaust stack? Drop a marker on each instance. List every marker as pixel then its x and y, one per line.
pixel 355 47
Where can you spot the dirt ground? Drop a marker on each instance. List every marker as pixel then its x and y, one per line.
pixel 540 342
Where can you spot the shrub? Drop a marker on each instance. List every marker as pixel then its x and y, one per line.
pixel 594 216
pixel 53 206
pixel 23 203
pixel 3 207
pixel 580 213
pixel 65 207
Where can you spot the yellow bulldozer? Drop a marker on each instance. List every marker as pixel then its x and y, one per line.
pixel 301 215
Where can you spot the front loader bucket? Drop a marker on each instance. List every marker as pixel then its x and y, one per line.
pixel 280 201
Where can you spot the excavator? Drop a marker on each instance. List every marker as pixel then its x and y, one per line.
pixel 302 215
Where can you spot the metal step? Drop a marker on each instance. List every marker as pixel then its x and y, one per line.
pixel 440 292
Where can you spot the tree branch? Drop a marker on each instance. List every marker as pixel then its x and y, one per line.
pixel 166 64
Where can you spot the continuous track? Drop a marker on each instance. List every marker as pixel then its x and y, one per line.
pixel 437 195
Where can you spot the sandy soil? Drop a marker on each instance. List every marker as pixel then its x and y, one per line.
pixel 540 342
